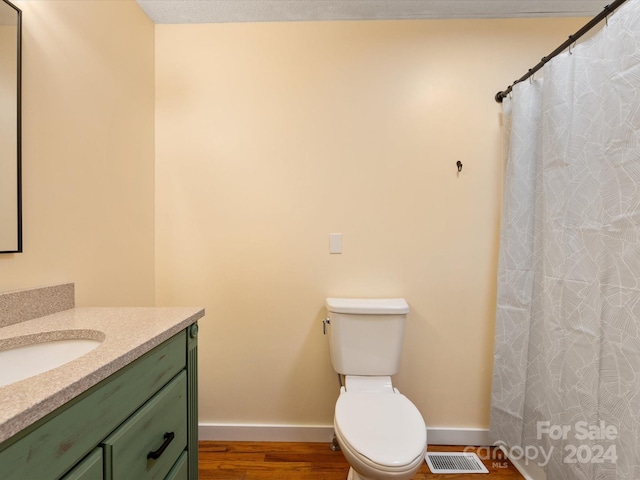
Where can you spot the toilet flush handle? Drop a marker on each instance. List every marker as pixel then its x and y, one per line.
pixel 325 322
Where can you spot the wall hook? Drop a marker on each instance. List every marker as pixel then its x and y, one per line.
pixel 459 165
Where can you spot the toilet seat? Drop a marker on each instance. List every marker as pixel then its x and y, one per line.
pixel 365 468
pixel 385 430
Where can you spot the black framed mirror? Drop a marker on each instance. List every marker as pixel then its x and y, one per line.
pixel 10 128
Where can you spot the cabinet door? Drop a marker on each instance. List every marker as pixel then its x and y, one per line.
pixel 148 444
pixel 88 469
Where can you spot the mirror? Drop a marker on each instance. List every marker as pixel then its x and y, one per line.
pixel 10 129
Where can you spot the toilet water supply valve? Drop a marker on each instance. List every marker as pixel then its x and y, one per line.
pixel 325 322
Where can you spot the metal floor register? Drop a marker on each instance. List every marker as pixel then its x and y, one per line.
pixel 454 463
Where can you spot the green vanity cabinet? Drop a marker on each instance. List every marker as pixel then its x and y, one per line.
pixel 139 423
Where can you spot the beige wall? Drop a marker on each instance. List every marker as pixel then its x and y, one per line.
pixel 88 151
pixel 271 136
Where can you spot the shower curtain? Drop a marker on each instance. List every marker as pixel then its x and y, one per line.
pixel 566 382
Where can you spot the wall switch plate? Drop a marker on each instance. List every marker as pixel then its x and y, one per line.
pixel 335 243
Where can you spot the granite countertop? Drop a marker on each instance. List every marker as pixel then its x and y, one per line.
pixel 126 334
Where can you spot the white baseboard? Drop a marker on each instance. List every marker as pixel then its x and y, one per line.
pixel 324 433
pixel 265 433
pixel 458 436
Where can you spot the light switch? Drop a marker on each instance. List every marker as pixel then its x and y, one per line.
pixel 335 243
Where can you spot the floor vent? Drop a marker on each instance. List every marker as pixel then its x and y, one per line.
pixel 455 463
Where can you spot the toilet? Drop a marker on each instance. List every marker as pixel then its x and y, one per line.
pixel 380 432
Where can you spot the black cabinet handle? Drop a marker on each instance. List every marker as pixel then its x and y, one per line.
pixel 168 437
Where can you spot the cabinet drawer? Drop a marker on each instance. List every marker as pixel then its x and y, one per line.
pixel 88 469
pixel 161 422
pixel 180 470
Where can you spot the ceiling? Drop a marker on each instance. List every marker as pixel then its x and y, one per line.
pixel 224 11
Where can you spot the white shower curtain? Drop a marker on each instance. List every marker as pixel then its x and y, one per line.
pixel 566 383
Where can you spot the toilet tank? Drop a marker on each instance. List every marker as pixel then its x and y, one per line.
pixel 365 335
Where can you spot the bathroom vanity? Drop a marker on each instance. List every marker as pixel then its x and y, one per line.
pixel 125 410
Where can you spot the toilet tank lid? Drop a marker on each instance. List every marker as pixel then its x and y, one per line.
pixel 368 306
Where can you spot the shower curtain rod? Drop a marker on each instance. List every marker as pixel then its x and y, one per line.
pixel 608 9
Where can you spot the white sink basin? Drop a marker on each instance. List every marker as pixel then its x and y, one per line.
pixel 26 361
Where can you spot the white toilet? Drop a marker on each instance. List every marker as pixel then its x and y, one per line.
pixel 380 432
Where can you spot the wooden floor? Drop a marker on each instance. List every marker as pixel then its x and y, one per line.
pixel 313 461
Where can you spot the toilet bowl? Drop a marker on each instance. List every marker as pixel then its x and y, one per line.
pixel 381 433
